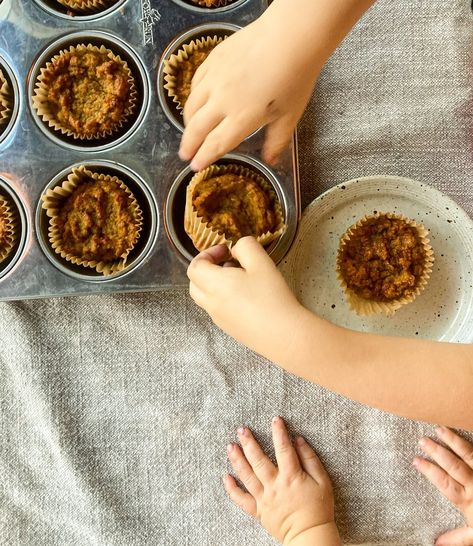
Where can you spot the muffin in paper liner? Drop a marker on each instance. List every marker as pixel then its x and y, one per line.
pixel 86 6
pixel 211 3
pixel 5 100
pixel 198 50
pixel 366 307
pixel 53 202
pixel 203 234
pixel 8 229
pixel 66 61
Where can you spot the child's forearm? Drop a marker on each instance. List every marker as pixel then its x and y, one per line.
pixel 322 535
pixel 419 379
pixel 313 28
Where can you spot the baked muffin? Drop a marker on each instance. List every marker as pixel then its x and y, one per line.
pixel 383 262
pixel 86 92
pixel 8 234
pixel 95 220
pixel 225 203
pixel 5 100
pixel 83 7
pixel 181 66
pixel 211 3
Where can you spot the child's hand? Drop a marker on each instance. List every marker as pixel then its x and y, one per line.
pixel 253 78
pixel 293 500
pixel 252 303
pixel 452 475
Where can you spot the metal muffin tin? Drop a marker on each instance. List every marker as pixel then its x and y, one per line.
pixel 144 155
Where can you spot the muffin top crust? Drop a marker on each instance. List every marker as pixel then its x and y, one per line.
pixel 383 259
pixel 186 71
pixel 98 221
pixel 235 205
pixel 89 92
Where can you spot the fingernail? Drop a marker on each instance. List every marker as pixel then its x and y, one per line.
pixel 241 431
pixel 300 441
pixel 183 156
pixel 230 448
pixel 194 166
pixel 422 442
pixel 276 419
pixel 439 431
pixel 416 463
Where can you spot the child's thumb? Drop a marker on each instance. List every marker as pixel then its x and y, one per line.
pixel 278 136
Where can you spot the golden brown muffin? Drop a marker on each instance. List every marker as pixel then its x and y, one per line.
pixel 7 229
pixel 235 205
pixel 98 222
pixel 383 259
pixel 4 100
pixel 212 3
pixel 186 70
pixel 85 6
pixel 86 91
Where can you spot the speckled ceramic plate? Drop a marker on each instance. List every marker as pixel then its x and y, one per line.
pixel 443 311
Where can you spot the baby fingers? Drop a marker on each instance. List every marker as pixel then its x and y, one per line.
pixel 243 470
pixel 244 500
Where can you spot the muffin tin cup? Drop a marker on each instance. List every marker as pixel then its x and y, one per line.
pixel 118 47
pixel 167 102
pixel 142 247
pixel 54 8
pixel 13 100
pixel 22 229
pixel 225 6
pixel 174 209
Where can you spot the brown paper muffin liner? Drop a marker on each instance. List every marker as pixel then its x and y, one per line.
pixel 52 203
pixel 47 76
pixel 365 307
pixel 203 235
pixel 7 215
pixel 86 6
pixel 212 3
pixel 172 65
pixel 5 100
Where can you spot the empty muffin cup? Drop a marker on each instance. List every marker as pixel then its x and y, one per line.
pixel 101 68
pixel 97 221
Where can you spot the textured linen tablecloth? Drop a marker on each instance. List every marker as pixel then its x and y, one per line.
pixel 115 411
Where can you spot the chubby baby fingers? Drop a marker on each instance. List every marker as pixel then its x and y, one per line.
pixel 242 499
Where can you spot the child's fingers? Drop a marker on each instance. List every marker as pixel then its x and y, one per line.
pixel 205 266
pixel 244 500
pixel 278 136
pixel 243 470
pixel 259 461
pixel 198 127
pixel 224 138
pixel 310 462
pixel 195 102
pixel 454 466
pixel 251 255
pixel 457 444
pixel 442 481
pixel 457 537
pixel 286 456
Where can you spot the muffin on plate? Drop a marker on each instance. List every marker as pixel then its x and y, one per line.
pixel 95 221
pixel 181 66
pixel 86 92
pixel 384 261
pixel 227 202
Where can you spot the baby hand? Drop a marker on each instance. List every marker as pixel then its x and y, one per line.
pixel 249 80
pixel 452 475
pixel 293 500
pixel 253 303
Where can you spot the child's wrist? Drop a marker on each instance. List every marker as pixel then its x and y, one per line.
pixel 325 534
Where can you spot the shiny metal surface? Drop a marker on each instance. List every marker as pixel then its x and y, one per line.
pixel 30 159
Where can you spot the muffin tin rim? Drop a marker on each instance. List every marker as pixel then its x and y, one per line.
pixel 200 9
pixel 24 226
pixel 90 275
pixel 78 17
pixel 73 38
pixel 17 99
pixel 276 250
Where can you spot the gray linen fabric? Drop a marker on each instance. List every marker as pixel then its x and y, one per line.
pixel 115 411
